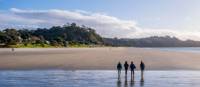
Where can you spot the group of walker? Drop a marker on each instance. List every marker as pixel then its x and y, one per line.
pixel 132 68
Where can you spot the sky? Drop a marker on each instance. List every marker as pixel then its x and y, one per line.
pixel 110 18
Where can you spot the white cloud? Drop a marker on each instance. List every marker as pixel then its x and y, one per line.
pixel 107 26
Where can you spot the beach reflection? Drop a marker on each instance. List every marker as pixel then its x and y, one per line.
pixel 62 78
pixel 129 84
pixel 119 83
pixel 132 83
pixel 142 84
pixel 125 83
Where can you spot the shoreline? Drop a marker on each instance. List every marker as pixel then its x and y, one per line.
pixel 101 58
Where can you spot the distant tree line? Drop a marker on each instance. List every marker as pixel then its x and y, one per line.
pixel 54 36
pixel 154 41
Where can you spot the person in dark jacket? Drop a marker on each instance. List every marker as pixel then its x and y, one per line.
pixel 126 66
pixel 142 67
pixel 119 68
pixel 132 67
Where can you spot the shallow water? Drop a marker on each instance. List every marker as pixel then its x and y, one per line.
pixel 97 78
pixel 179 49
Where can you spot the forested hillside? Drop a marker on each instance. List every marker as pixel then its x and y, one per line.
pixel 59 36
pixel 153 41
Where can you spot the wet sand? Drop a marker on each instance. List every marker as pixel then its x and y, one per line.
pixel 95 58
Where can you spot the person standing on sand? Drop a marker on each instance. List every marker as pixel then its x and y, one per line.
pixel 12 49
pixel 132 67
pixel 126 67
pixel 142 67
pixel 119 68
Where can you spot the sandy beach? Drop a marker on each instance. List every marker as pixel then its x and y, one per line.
pixel 95 58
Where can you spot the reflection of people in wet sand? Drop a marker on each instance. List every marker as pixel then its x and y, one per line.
pixel 126 68
pixel 141 83
pixel 132 84
pixel 142 67
pixel 119 68
pixel 132 67
pixel 119 84
pixel 126 83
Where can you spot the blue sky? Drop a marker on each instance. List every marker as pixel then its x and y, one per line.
pixel 149 17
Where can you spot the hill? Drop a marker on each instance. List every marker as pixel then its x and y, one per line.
pixel 57 36
pixel 154 41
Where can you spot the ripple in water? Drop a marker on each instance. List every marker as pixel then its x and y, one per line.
pixel 97 78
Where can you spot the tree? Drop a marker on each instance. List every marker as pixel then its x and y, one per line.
pixel 12 36
pixel 56 35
